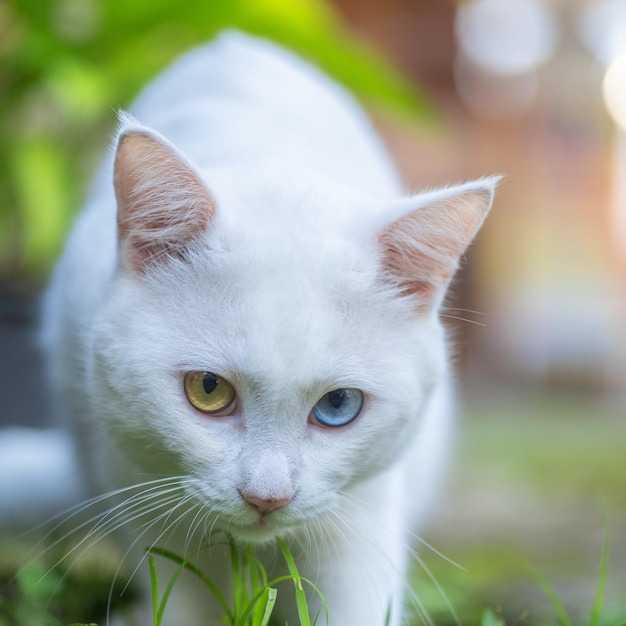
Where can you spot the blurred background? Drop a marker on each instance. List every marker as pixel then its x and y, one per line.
pixel 532 89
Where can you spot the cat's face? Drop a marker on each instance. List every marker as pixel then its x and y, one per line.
pixel 260 347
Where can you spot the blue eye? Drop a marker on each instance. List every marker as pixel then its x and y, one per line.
pixel 339 407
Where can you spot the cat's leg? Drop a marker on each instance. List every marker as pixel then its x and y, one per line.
pixel 363 583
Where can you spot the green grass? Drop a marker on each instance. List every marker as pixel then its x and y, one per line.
pixel 254 596
pixel 38 594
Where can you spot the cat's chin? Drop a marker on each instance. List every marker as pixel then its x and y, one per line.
pixel 264 530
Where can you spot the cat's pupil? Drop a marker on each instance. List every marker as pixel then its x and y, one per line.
pixel 337 397
pixel 209 382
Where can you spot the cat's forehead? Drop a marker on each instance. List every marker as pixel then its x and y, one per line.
pixel 278 200
pixel 276 319
pixel 285 336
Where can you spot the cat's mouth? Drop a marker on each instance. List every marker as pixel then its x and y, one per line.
pixel 265 527
pixel 261 531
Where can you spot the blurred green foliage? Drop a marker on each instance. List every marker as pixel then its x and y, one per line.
pixel 66 65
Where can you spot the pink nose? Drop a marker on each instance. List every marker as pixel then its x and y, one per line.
pixel 265 505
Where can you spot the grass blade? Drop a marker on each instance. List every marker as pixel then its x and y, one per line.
pixel 270 601
pixel 272 594
pixel 154 590
pixel 256 571
pixel 604 568
pixel 552 595
pixel 388 615
pixel 239 589
pixel 168 591
pixel 260 607
pixel 489 618
pixel 301 602
pixel 172 556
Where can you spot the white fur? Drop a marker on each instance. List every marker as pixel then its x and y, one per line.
pixel 286 296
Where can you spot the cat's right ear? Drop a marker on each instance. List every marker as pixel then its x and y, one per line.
pixel 421 248
pixel 162 204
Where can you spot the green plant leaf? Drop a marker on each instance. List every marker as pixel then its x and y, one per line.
pixel 239 583
pixel 154 590
pixel 548 589
pixel 167 592
pixel 270 601
pixel 40 182
pixel 263 606
pixel 257 577
pixel 301 602
pixel 251 609
pixel 172 556
pixel 604 568
pixel 387 615
pixel 37 582
pixel 489 618
pixel 64 73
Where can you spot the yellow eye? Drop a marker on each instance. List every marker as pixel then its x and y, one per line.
pixel 209 393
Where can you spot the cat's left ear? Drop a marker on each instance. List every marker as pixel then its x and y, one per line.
pixel 421 248
pixel 162 204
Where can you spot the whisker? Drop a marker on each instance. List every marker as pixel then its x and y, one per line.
pixel 145 528
pixel 163 517
pixel 418 604
pixel 453 308
pixel 201 519
pixel 413 536
pixel 63 518
pixel 88 542
pixel 193 527
pixel 437 586
pixel 342 523
pixel 453 313
pixel 108 524
pixel 139 501
pixel 463 319
pixel 434 550
pixel 418 607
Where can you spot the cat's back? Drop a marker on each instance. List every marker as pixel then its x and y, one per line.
pixel 240 99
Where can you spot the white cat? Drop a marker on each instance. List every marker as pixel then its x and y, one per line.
pixel 244 324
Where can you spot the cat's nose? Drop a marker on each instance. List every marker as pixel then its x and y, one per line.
pixel 265 505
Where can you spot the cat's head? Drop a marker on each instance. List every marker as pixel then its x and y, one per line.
pixel 271 335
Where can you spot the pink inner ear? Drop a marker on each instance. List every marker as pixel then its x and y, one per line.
pixel 162 204
pixel 417 268
pixel 421 250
